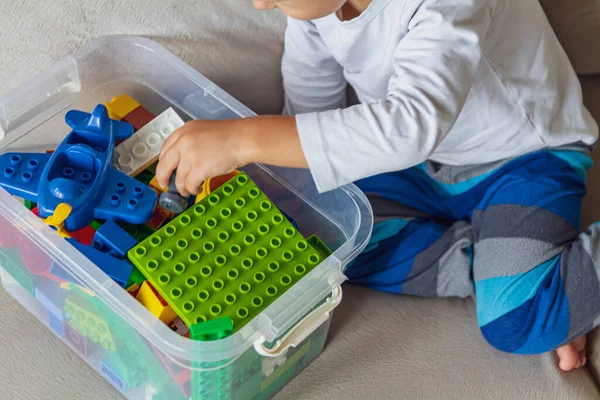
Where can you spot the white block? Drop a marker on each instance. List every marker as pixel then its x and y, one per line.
pixel 142 149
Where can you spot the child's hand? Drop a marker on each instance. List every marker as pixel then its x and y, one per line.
pixel 199 150
pixel 204 149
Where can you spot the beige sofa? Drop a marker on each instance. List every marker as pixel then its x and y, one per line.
pixel 381 346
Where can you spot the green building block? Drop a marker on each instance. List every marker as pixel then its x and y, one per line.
pixel 12 263
pixel 96 225
pixel 232 254
pixel 144 177
pixel 129 372
pixel 139 232
pixel 319 246
pixel 136 277
pixel 89 322
pixel 211 384
pixel 212 330
pixel 29 204
pixel 152 169
pixel 250 387
pixel 137 355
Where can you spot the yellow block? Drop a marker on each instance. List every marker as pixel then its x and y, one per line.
pixel 69 286
pixel 205 191
pixel 206 185
pixel 154 185
pixel 148 298
pixel 120 106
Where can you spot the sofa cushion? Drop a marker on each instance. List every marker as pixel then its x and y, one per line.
pixel 383 347
pixel 577 25
pixel 591 210
pixel 234 45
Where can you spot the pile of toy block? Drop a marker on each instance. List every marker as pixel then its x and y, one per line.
pixel 205 272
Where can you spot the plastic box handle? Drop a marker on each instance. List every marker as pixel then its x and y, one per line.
pixel 307 326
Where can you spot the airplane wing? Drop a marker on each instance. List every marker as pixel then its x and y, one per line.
pixel 21 173
pixel 74 118
pixel 125 199
pixel 95 122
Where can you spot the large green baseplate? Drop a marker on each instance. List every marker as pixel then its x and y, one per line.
pixel 231 255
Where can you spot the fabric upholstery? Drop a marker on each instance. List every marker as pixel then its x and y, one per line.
pixel 385 346
pixel 381 346
pixel 577 25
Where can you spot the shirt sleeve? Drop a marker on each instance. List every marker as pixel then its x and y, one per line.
pixel 313 80
pixel 434 67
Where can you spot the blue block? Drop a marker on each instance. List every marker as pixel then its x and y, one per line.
pixel 118 270
pixel 80 173
pixel 52 297
pixel 112 376
pixel 191 200
pixel 56 324
pixel 60 272
pixel 111 238
pixel 292 220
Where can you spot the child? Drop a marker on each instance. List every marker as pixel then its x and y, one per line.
pixel 471 142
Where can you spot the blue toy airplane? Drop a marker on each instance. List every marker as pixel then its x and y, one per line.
pixel 80 173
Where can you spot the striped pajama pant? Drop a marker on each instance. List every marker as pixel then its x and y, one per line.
pixel 505 232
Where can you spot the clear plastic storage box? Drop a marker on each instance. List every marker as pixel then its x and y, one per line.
pixel 141 356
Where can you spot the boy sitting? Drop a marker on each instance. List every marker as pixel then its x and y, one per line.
pixel 470 140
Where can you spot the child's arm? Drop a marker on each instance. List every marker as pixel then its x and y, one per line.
pixel 434 68
pixel 312 79
pixel 202 149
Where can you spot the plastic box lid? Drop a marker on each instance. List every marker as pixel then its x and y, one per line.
pixel 32 119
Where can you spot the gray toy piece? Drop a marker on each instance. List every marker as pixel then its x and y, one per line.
pixel 171 200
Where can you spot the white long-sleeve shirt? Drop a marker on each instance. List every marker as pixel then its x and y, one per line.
pixel 458 82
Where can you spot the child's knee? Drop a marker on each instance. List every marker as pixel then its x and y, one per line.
pixel 539 325
pixel 525 314
pixel 520 337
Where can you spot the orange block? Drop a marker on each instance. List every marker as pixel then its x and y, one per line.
pixel 159 217
pixel 133 289
pixel 154 185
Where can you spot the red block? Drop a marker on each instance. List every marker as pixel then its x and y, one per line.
pixel 160 298
pixel 159 217
pixel 34 259
pixel 9 238
pixel 218 181
pixel 78 342
pixel 84 235
pixel 179 375
pixel 139 117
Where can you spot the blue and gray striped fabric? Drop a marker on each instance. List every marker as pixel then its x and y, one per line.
pixel 506 232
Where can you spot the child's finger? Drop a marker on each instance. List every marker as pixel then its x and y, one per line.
pixel 167 165
pixel 193 182
pixel 172 138
pixel 183 170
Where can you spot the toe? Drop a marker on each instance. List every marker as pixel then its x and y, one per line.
pixel 568 357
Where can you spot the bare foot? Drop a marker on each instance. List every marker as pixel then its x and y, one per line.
pixel 572 355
